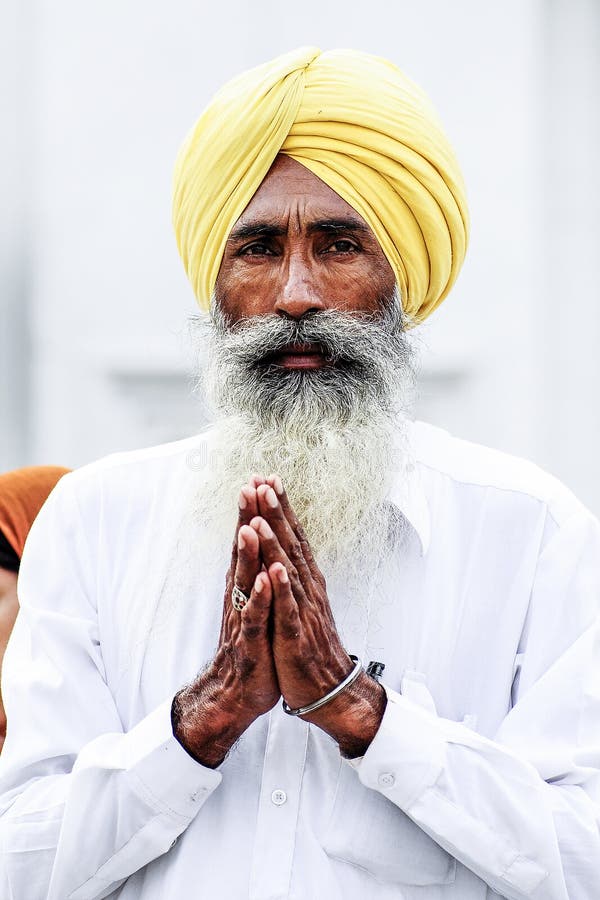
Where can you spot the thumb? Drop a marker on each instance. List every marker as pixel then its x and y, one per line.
pixel 255 615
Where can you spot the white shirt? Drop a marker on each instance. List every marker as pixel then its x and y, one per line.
pixel 482 778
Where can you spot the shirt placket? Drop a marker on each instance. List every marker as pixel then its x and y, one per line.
pixel 278 808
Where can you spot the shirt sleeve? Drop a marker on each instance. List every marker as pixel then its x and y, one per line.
pixel 83 805
pixel 520 810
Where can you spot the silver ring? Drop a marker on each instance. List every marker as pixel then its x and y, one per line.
pixel 238 598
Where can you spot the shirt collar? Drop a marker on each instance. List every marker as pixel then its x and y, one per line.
pixel 407 491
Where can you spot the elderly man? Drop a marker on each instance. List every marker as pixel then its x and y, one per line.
pixel 171 741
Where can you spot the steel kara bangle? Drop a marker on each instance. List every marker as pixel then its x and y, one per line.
pixel 302 710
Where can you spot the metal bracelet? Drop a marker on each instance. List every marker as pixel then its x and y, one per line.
pixel 302 710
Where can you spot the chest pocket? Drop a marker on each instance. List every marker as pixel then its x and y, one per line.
pixel 368 830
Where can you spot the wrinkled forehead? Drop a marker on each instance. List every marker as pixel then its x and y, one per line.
pixel 292 194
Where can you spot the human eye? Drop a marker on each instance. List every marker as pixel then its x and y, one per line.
pixel 343 246
pixel 256 248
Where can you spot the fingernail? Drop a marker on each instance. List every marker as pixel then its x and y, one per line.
pixel 278 485
pixel 271 498
pixel 242 502
pixel 258 585
pixel 241 541
pixel 265 529
pixel 283 575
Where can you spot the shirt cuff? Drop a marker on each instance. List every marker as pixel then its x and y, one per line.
pixel 407 754
pixel 161 771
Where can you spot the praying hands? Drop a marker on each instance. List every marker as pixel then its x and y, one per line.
pixel 282 643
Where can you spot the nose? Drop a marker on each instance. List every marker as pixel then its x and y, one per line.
pixel 300 292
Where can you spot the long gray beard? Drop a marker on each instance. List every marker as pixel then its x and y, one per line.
pixel 334 434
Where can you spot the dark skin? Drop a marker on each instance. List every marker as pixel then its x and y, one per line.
pixel 297 248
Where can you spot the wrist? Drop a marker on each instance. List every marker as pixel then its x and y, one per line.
pixel 206 721
pixel 354 716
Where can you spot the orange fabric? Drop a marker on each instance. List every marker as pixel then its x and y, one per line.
pixel 22 494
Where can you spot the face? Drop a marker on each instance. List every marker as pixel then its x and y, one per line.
pixel 8 613
pixel 298 247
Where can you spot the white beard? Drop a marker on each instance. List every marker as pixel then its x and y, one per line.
pixel 337 440
pixel 337 487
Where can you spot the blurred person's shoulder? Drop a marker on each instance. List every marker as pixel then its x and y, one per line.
pixel 451 465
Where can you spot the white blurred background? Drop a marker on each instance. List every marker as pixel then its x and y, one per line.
pixel 96 98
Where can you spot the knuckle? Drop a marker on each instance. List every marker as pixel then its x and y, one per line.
pixel 289 633
pixel 239 572
pixel 290 629
pixel 299 529
pixel 252 630
pixel 243 578
pixel 295 552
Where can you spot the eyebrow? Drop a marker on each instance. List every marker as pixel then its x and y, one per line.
pixel 273 229
pixel 348 224
pixel 256 229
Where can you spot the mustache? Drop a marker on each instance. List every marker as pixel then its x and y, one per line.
pixel 344 339
pixel 368 375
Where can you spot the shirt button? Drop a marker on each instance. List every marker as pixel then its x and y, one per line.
pixel 386 780
pixel 278 797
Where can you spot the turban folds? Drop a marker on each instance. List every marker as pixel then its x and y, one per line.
pixel 360 125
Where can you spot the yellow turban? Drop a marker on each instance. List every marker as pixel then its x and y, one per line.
pixel 360 125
